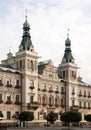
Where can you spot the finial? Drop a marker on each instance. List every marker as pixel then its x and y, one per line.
pixel 26 13
pixel 68 32
pixel 10 49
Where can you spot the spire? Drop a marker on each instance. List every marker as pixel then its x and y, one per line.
pixel 67 41
pixel 68 58
pixel 26 38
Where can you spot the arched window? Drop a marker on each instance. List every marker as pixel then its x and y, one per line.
pixel 50 100
pixel 32 66
pixel 35 65
pixel 32 83
pixel 50 87
pixel 56 101
pixel 56 88
pixel 85 93
pixel 39 99
pixel 44 86
pixel 20 64
pixel 17 97
pixel 62 101
pixel 43 100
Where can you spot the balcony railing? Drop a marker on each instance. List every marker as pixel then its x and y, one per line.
pixel 74 107
pixel 33 105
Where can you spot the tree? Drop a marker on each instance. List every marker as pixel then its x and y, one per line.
pixel 26 116
pixel 51 117
pixel 71 116
pixel 88 117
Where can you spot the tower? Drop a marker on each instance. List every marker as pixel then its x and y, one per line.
pixel 27 62
pixel 67 71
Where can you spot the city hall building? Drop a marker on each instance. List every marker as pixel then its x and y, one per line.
pixel 40 87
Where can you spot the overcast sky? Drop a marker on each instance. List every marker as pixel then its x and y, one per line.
pixel 49 21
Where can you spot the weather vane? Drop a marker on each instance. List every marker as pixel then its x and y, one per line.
pixel 26 11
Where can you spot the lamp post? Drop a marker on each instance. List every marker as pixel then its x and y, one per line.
pixel 63 81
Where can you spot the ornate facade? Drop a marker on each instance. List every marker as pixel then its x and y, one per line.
pixel 26 85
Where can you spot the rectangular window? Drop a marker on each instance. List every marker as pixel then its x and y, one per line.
pixel 31 99
pixel 0 96
pixel 8 98
pixel 8 115
pixel 17 113
pixel 64 74
pixel 73 103
pixel 17 97
pixel 17 82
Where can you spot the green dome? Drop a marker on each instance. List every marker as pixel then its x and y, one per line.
pixel 67 42
pixel 26 24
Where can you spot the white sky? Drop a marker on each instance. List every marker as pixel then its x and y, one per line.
pixel 49 20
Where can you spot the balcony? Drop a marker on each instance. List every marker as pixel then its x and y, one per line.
pixel 39 89
pixel 32 87
pixel 62 92
pixel 44 90
pixel 74 107
pixel 50 91
pixel 17 102
pixel 73 93
pixel 1 101
pixel 1 84
pixel 80 95
pixel 62 105
pixel 84 107
pixel 56 91
pixel 9 85
pixel 8 102
pixel 56 105
pixel 89 96
pixel 85 95
pixel 80 107
pixel 33 105
pixel 44 104
pixel 17 86
pixel 51 105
